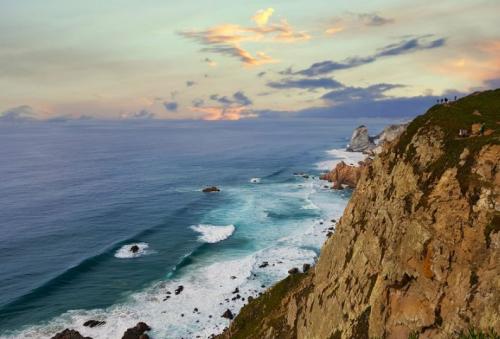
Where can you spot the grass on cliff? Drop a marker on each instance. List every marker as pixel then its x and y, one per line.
pixel 478 334
pixel 451 118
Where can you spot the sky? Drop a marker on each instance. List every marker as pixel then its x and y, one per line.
pixel 230 60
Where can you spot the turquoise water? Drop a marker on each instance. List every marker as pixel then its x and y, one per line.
pixel 76 196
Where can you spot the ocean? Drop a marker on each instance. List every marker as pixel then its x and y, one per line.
pixel 75 196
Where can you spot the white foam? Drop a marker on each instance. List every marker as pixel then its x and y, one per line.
pixel 212 234
pixel 125 251
pixel 335 156
pixel 208 282
pixel 255 180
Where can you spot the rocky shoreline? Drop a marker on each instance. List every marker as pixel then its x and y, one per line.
pixel 416 251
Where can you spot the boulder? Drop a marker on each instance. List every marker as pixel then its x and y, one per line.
pixel 306 267
pixel 137 332
pixel 179 289
pixel 360 140
pixel 134 249
pixel 228 314
pixel 294 270
pixel 69 334
pixel 93 323
pixel 211 189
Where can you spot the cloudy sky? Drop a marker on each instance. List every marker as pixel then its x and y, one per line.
pixel 224 59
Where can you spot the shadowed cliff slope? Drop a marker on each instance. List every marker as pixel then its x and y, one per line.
pixel 417 249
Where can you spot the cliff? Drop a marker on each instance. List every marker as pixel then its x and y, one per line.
pixel 416 251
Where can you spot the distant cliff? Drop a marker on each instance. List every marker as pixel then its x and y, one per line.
pixel 417 251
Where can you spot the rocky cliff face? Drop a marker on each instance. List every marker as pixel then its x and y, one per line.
pixel 417 250
pixel 345 175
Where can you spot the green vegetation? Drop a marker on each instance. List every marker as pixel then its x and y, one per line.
pixel 478 334
pixel 477 108
pixel 413 335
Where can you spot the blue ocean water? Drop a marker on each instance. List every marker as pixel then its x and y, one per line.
pixel 75 196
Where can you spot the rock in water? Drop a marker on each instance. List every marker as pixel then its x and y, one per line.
pixel 137 332
pixel 306 267
pixel 228 314
pixel 211 189
pixel 360 140
pixel 179 289
pixel 294 270
pixel 134 249
pixel 93 323
pixel 69 334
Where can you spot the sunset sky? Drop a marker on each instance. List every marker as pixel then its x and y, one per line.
pixel 220 59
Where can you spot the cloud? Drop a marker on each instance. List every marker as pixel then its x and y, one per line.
pixel 482 62
pixel 143 114
pixel 227 39
pixel 242 99
pixel 198 102
pixel 190 83
pixel 210 62
pixel 262 16
pixel 19 113
pixel 334 30
pixel 350 94
pixel 261 74
pixel 373 19
pixel 259 59
pixel 213 113
pixel 305 83
pixel 239 99
pixel 405 46
pixel 171 106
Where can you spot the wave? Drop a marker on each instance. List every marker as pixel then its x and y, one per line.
pixel 255 180
pixel 337 155
pixel 213 234
pixel 126 251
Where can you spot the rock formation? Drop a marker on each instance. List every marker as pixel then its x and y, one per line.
pixel 360 140
pixel 388 135
pixel 417 250
pixel 345 175
pixel 69 334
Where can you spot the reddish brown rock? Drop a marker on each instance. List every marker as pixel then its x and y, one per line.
pixel 345 175
pixel 69 334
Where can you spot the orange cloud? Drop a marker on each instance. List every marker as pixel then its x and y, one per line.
pixel 262 16
pixel 213 113
pixel 227 39
pixel 334 30
pixel 480 67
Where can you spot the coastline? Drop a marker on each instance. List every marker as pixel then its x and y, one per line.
pixel 198 308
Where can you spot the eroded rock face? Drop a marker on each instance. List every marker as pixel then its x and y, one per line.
pixel 360 140
pixel 344 175
pixel 416 250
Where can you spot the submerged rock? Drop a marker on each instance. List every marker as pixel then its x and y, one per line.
pixel 69 334
pixel 134 249
pixel 137 332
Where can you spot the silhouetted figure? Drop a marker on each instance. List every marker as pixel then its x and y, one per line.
pixel 455 98
pixel 446 100
pixel 481 129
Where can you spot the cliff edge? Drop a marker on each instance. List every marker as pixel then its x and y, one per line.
pixel 417 250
